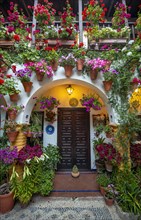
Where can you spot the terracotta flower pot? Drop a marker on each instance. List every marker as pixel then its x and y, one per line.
pixel 102 190
pixel 39 76
pixel 14 97
pixel 108 201
pixel 68 70
pixel 107 85
pixel 12 114
pixel 12 135
pixel 79 64
pixel 27 86
pixel 6 202
pixel 93 74
pixel 54 65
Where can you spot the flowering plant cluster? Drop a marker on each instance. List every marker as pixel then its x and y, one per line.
pixel 24 75
pixel 68 29
pixel 67 60
pixel 79 50
pixel 109 74
pixel 12 107
pixel 8 155
pixel 52 54
pixel 48 103
pixel 94 12
pixel 108 153
pixel 42 67
pixel 8 85
pixel 135 151
pixel 29 152
pixel 50 116
pixel 136 80
pixel 120 15
pixel 44 13
pixel 110 191
pixel 96 63
pixel 90 101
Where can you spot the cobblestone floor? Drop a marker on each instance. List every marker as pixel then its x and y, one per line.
pixel 44 208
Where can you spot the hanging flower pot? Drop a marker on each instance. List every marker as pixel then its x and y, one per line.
pixel 12 114
pixel 107 85
pixel 93 74
pixel 12 135
pixel 68 70
pixel 27 86
pixel 39 76
pixel 6 202
pixel 109 166
pixel 79 64
pixel 14 97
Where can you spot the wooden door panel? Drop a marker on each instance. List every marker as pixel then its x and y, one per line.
pixel 73 137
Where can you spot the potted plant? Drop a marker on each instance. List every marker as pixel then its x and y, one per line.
pixel 94 66
pixel 79 52
pixel 108 131
pixel 48 103
pixel 68 62
pixel 41 68
pixel 24 76
pixel 109 196
pixel 10 127
pixel 7 158
pixel 12 110
pixel 90 101
pixel 75 171
pixel 108 75
pixel 52 55
pixel 103 180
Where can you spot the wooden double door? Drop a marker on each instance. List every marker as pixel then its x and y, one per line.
pixel 74 138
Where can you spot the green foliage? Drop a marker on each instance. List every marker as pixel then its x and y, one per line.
pixel 75 169
pixel 54 157
pixel 103 180
pixel 129 197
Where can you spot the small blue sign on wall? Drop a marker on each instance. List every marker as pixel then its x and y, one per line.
pixel 49 129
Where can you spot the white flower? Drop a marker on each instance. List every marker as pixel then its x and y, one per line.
pixel 124 49
pixel 129 53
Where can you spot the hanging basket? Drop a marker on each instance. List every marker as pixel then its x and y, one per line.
pixel 14 97
pixel 80 64
pixel 68 70
pixel 27 86
pixel 107 85
pixel 93 74
pixel 12 114
pixel 39 76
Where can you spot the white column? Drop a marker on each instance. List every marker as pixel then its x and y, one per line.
pixel 34 23
pixel 80 21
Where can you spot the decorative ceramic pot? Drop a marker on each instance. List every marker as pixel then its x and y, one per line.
pixel 75 174
pixel 27 86
pixel 80 64
pixel 68 70
pixel 107 85
pixel 12 114
pixel 6 202
pixel 93 74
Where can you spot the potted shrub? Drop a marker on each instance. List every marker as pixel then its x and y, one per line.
pixel 12 110
pixel 75 171
pixel 94 65
pixel 10 127
pixel 79 52
pixel 90 101
pixel 103 181
pixel 24 75
pixel 7 158
pixel 108 75
pixel 109 196
pixel 68 62
pixel 41 68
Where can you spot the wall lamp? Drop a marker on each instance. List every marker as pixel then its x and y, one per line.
pixel 69 89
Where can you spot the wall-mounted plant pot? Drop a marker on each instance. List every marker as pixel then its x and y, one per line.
pixel 107 85
pixel 14 97
pixel 27 86
pixel 12 114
